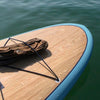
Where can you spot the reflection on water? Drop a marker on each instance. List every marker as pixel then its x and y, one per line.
pixel 17 16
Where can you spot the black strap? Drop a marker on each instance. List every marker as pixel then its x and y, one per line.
pixel 16 68
pixel 56 77
pixel 1 87
pixel 2 94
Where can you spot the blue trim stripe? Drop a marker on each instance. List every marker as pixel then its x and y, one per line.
pixel 62 90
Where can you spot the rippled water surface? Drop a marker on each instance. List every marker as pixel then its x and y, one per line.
pixel 18 16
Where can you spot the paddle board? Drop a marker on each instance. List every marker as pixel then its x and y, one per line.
pixel 69 49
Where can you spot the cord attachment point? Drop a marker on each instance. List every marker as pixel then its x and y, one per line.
pixel 1 86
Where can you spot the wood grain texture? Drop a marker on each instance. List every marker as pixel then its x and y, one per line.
pixel 66 46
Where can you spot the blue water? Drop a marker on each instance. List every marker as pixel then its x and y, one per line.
pixel 18 16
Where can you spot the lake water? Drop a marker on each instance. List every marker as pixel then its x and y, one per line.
pixel 18 16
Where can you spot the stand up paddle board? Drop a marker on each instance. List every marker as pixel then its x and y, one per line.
pixel 50 78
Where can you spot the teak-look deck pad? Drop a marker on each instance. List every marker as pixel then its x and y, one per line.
pixel 66 46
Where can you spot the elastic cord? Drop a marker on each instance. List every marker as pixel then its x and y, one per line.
pixel 57 79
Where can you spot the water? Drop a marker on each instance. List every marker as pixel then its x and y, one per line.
pixel 18 16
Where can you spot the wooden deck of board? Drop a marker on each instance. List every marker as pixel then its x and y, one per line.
pixel 66 46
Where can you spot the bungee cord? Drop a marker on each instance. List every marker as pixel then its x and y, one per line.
pixel 53 73
pixel 1 87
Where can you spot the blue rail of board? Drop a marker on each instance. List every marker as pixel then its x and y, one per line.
pixel 62 90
